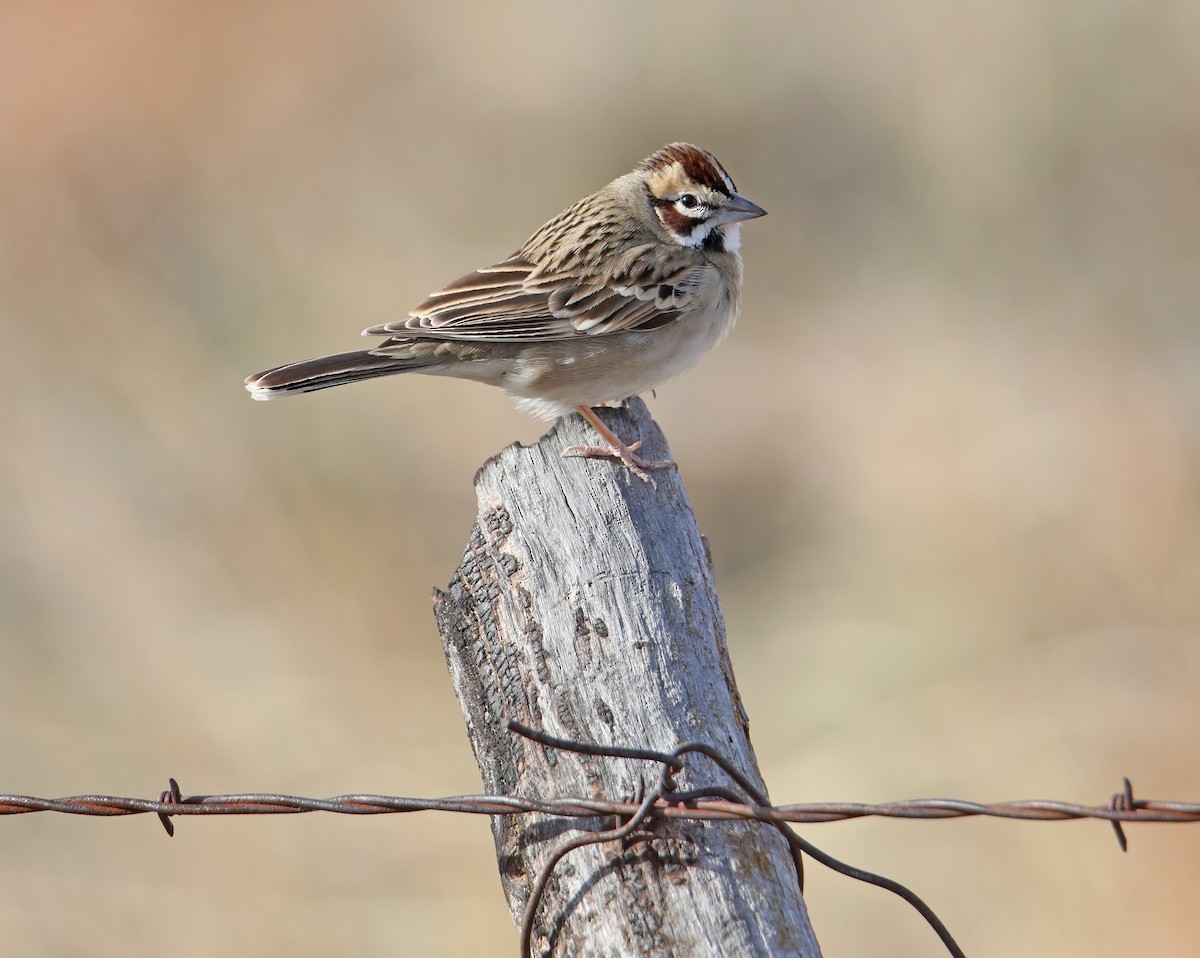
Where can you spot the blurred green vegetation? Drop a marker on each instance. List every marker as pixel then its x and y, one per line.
pixel 949 463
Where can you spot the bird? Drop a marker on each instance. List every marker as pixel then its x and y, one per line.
pixel 620 292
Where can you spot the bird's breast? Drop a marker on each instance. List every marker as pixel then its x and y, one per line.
pixel 550 378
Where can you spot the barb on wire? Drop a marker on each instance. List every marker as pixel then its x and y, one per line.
pixel 1122 800
pixel 172 796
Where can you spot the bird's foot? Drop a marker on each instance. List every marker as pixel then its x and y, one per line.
pixel 616 449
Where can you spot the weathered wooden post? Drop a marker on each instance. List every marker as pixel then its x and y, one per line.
pixel 585 606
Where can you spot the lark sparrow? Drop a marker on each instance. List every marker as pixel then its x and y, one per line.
pixel 619 293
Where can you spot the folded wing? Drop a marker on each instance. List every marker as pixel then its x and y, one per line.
pixel 516 301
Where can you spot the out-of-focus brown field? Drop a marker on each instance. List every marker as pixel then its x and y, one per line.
pixel 949 462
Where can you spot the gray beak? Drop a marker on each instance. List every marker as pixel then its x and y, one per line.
pixel 737 207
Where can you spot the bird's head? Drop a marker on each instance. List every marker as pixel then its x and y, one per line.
pixel 694 199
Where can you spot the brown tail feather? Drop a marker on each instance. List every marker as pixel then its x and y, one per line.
pixel 313 374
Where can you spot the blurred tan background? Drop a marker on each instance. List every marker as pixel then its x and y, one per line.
pixel 949 463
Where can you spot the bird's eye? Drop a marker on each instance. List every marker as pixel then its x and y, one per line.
pixel 688 201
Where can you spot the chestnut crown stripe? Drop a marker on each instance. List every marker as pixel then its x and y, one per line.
pixel 697 165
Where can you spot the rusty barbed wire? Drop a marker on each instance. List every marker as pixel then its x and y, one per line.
pixel 273 803
pixel 662 801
